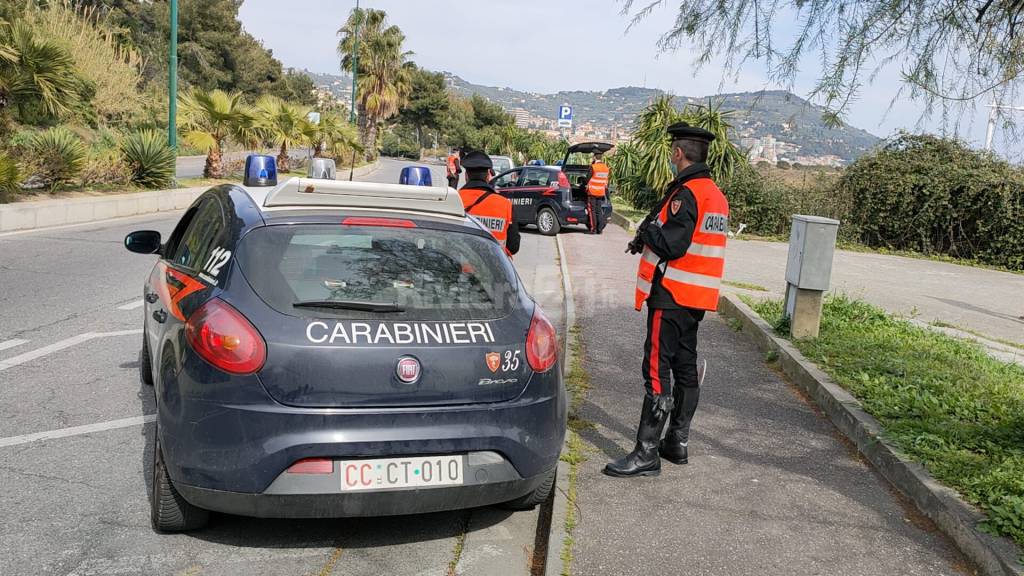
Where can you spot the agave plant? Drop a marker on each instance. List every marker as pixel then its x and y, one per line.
pixel 8 178
pixel 151 161
pixel 58 155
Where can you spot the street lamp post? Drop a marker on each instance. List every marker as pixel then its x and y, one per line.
pixel 355 76
pixel 172 80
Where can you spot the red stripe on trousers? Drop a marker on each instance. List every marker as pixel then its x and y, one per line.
pixel 655 352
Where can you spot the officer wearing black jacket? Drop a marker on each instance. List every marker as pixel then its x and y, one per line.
pixel 670 350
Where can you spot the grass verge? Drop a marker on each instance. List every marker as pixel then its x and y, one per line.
pixel 622 207
pixel 1003 341
pixel 745 286
pixel 943 402
pixel 577 384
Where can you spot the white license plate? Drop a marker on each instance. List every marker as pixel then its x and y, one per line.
pixel 415 472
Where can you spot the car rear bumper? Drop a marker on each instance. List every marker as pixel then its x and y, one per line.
pixel 223 448
pixel 382 503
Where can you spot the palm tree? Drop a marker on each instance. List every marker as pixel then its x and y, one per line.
pixel 282 124
pixel 331 134
pixel 385 75
pixel 33 70
pixel 209 119
pixel 641 169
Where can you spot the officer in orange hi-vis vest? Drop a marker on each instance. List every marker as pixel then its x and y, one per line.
pixel 683 245
pixel 453 167
pixel 597 188
pixel 492 210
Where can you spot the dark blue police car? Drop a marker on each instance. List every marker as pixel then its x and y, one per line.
pixel 551 197
pixel 326 349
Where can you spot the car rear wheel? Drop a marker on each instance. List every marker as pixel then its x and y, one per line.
pixel 170 512
pixel 547 222
pixel 145 364
pixel 537 496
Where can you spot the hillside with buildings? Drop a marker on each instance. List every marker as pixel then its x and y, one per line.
pixel 773 125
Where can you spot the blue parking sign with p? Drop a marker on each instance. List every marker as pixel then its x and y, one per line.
pixel 565 113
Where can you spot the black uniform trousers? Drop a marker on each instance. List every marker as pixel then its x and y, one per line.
pixel 595 213
pixel 671 349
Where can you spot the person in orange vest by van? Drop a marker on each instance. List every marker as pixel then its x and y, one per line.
pixel 492 210
pixel 454 168
pixel 683 245
pixel 597 188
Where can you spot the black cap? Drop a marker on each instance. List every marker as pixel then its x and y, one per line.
pixel 476 160
pixel 683 131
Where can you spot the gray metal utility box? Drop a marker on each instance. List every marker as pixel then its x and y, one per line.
pixel 812 243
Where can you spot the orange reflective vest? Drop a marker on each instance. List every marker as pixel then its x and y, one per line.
pixel 453 166
pixel 694 279
pixel 598 183
pixel 492 210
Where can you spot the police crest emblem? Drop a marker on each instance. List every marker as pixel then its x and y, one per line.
pixel 493 361
pixel 675 205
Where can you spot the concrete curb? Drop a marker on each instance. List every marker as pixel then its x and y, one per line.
pixel 995 556
pixel 560 501
pixel 622 221
pixel 20 216
pixel 61 212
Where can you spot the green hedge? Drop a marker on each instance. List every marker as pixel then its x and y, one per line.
pixel 935 195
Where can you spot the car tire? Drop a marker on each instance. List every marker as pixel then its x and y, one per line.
pixel 537 496
pixel 145 363
pixel 547 222
pixel 169 511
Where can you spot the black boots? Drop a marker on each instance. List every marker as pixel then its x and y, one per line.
pixel 673 447
pixel 644 460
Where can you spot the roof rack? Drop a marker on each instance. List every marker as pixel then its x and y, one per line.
pixel 336 193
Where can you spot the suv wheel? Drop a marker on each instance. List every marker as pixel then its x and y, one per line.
pixel 169 512
pixel 535 497
pixel 547 222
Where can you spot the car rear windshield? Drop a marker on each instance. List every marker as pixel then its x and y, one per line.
pixel 398 272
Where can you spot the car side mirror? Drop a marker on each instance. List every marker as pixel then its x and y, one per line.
pixel 143 242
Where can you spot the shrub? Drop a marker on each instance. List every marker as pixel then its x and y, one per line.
pixel 8 179
pixel 150 160
pixel 57 155
pixel 105 168
pixel 392 145
pixel 935 195
pixel 766 199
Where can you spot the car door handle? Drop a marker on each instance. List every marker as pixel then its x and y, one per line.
pixel 160 316
pixel 152 297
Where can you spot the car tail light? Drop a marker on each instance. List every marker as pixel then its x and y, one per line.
pixel 388 222
pixel 541 343
pixel 312 466
pixel 225 338
pixel 563 181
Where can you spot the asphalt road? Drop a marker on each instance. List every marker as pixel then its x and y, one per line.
pixel 75 502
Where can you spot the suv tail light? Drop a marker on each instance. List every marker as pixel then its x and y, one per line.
pixel 225 338
pixel 563 180
pixel 541 343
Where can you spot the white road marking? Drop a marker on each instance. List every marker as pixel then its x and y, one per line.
pixel 132 306
pixel 76 430
pixel 57 346
pixel 12 343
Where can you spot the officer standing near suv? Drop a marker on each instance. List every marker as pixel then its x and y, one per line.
pixel 597 188
pixel 490 209
pixel 683 245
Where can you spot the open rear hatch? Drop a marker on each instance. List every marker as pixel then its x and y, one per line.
pixel 385 313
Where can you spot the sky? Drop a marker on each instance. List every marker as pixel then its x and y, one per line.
pixel 552 45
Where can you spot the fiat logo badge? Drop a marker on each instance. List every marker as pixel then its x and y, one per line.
pixel 408 370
